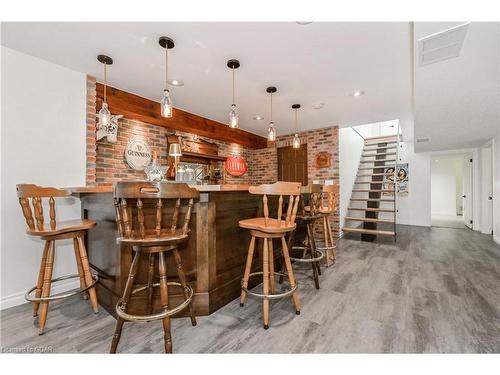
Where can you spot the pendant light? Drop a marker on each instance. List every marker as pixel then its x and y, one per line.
pixel 166 101
pixel 271 131
pixel 233 115
pixel 104 113
pixel 296 139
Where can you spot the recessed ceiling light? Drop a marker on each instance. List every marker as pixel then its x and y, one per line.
pixel 358 93
pixel 304 22
pixel 175 82
pixel 318 105
pixel 258 118
pixel 420 140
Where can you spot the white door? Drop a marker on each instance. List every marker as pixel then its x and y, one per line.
pixel 467 191
pixel 487 188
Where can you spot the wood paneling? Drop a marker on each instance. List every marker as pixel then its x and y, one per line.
pixel 141 109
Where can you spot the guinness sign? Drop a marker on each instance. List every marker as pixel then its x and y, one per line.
pixel 138 154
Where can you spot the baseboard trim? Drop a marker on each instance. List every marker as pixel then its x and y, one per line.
pixel 496 239
pixel 18 298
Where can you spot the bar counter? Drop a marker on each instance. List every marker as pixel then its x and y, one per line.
pixel 213 258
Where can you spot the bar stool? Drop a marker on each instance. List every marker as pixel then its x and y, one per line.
pixel 153 236
pixel 268 228
pixel 331 195
pixel 311 199
pixel 50 233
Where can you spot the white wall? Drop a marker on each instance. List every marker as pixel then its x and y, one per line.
pixel 444 175
pixel 415 209
pixel 350 150
pixel 43 142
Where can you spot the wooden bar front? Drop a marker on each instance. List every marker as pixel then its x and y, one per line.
pixel 213 258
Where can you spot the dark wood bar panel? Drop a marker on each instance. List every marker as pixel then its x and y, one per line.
pixel 214 257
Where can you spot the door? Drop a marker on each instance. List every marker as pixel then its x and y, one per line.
pixel 487 191
pixel 292 164
pixel 467 191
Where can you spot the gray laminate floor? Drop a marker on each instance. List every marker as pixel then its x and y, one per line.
pixel 434 290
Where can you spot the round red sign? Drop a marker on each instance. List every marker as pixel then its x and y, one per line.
pixel 235 166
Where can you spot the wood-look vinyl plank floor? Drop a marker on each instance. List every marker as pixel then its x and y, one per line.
pixel 433 290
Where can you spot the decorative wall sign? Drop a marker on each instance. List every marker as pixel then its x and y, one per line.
pixel 323 159
pixel 138 154
pixel 401 182
pixel 235 166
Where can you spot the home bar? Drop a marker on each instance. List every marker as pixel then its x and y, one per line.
pixel 190 187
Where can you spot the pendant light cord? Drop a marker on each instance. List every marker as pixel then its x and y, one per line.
pixel 271 107
pixel 105 80
pixel 296 123
pixel 233 87
pixel 166 68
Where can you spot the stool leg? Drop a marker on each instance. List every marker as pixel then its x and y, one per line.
pixel 312 252
pixel 150 282
pixel 80 268
pixel 88 275
pixel 265 283
pixel 41 274
pixel 126 297
pixel 183 280
pixel 291 278
pixel 332 243
pixel 313 244
pixel 248 268
pixel 283 266
pixel 164 302
pixel 47 280
pixel 271 264
pixel 328 261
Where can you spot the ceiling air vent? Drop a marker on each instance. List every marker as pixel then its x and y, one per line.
pixel 421 140
pixel 441 46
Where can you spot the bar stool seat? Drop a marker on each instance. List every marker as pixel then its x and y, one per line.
pixel 62 227
pixel 50 232
pixel 272 226
pixel 166 237
pixel 322 210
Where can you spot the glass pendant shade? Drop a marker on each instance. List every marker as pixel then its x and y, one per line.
pixel 104 115
pixel 296 141
pixel 233 117
pixel 166 105
pixel 175 149
pixel 271 132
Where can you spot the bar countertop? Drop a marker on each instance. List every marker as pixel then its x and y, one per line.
pixel 201 188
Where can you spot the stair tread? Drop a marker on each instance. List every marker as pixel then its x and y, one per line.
pixel 390 136
pixel 375 167
pixel 369 220
pixel 378 154
pixel 374 174
pixel 379 148
pixel 372 191
pixel 371 209
pixel 367 182
pixel 377 160
pixel 369 231
pixel 372 200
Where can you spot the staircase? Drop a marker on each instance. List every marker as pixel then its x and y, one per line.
pixel 372 204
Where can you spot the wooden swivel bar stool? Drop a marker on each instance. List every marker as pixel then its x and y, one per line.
pixel 311 195
pixel 268 228
pixel 51 232
pixel 153 236
pixel 331 196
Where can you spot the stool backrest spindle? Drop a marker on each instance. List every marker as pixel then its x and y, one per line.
pixel 280 188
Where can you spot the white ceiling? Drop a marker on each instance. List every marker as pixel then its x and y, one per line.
pixel 318 62
pixel 457 101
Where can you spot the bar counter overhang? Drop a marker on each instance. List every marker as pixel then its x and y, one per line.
pixel 213 259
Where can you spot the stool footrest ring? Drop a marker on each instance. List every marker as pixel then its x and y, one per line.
pixel 165 313
pixel 269 296
pixel 30 298
pixel 307 260
pixel 326 247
